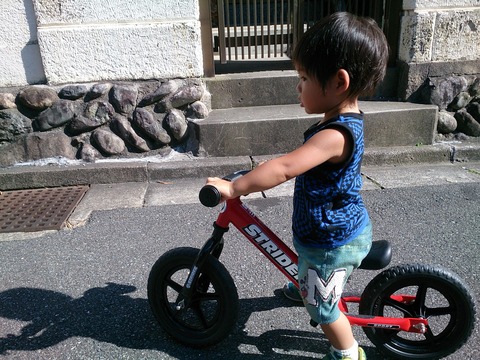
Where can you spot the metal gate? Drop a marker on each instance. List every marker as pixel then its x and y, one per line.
pixel 253 29
pixel 269 29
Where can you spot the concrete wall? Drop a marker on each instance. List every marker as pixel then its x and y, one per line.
pixel 440 31
pixel 438 38
pixel 20 61
pixel 66 41
pixel 90 40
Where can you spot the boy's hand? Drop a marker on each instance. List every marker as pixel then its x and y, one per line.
pixel 223 186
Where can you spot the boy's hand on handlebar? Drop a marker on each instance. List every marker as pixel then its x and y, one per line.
pixel 223 186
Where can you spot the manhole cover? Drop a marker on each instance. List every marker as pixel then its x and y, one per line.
pixel 38 209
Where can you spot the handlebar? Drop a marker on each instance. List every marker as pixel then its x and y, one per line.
pixel 210 196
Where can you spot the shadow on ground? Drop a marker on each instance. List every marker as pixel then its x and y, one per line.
pixel 109 314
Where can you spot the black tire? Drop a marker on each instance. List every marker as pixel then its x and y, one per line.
pixel 441 297
pixel 214 309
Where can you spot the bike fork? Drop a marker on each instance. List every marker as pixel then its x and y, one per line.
pixel 213 246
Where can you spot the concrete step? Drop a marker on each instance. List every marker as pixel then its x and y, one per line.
pixel 253 89
pixel 262 88
pixel 276 129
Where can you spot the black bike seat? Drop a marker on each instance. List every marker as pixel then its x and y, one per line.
pixel 379 256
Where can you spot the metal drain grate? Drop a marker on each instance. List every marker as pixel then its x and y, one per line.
pixel 38 209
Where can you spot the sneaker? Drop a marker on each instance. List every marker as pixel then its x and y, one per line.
pixel 291 292
pixel 361 354
pixel 332 356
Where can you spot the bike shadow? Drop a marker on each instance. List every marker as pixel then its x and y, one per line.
pixel 108 314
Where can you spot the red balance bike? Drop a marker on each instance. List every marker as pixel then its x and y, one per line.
pixel 408 311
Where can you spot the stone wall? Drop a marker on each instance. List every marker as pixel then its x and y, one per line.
pixel 69 41
pixel 458 100
pixel 439 61
pixel 438 39
pixel 105 43
pixel 92 121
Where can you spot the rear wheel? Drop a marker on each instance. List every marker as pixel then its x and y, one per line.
pixel 212 311
pixel 437 295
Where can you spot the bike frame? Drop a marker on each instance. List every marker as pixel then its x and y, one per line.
pixel 235 212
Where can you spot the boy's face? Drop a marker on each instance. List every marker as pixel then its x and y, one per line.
pixel 315 98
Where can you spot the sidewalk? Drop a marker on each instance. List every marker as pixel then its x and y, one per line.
pixel 183 191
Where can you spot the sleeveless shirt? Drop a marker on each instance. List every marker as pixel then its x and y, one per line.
pixel 328 210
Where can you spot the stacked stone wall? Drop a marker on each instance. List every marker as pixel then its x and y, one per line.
pixel 101 120
pixel 458 100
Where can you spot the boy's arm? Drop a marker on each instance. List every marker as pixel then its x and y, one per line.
pixel 326 145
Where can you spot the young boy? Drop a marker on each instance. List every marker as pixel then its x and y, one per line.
pixel 338 59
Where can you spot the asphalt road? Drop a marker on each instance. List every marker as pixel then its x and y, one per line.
pixel 81 293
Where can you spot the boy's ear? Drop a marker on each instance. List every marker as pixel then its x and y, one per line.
pixel 342 80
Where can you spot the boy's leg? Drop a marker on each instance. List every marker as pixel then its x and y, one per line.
pixel 339 333
pixel 322 275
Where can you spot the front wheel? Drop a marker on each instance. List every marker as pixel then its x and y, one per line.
pixel 437 295
pixel 213 308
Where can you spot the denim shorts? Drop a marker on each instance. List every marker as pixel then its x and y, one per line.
pixel 323 273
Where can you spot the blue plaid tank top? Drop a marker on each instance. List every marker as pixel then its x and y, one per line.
pixel 328 210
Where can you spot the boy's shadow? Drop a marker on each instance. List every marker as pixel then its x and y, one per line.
pixel 108 314
pixel 105 314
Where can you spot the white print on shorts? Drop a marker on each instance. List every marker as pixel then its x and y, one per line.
pixel 332 286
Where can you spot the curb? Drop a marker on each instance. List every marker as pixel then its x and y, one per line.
pixel 136 170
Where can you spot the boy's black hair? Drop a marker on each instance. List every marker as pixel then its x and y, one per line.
pixel 344 41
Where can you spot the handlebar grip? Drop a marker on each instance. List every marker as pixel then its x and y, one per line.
pixel 209 196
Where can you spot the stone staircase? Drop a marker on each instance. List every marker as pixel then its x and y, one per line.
pixel 258 114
